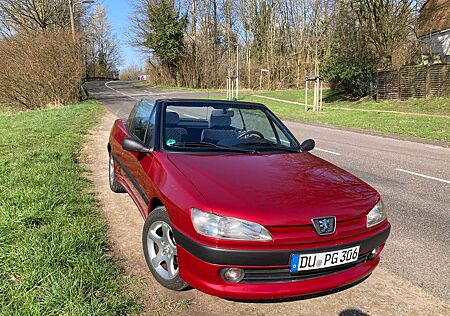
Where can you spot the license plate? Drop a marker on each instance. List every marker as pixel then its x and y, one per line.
pixel 313 261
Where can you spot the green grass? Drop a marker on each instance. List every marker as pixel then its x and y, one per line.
pixel 296 95
pixel 332 98
pixel 434 106
pixel 53 247
pixel 436 128
pixel 8 109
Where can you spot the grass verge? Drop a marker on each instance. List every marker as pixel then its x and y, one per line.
pixel 53 246
pixel 332 98
pixel 146 84
pixel 8 109
pixel 436 128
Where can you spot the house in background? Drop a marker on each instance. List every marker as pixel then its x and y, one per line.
pixel 434 30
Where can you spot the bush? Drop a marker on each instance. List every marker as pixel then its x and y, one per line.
pixel 40 69
pixel 130 73
pixel 349 75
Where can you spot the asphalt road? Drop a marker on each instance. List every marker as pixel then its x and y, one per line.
pixel 413 178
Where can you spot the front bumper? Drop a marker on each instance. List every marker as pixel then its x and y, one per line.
pixel 267 272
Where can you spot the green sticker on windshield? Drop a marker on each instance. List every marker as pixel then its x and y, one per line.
pixel 171 142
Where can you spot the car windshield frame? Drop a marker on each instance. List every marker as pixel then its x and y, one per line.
pixel 214 149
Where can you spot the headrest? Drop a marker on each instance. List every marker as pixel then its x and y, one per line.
pixel 219 121
pixel 222 112
pixel 172 118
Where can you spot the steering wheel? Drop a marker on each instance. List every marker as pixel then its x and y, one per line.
pixel 248 133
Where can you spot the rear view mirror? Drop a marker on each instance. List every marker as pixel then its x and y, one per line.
pixel 130 144
pixel 308 145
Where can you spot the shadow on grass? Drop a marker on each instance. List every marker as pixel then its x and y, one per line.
pixel 340 96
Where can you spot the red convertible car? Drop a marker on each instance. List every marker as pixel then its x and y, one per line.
pixel 236 207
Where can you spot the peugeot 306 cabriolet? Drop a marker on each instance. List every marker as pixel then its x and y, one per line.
pixel 236 207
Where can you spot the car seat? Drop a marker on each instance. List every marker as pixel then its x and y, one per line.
pixel 219 129
pixel 173 132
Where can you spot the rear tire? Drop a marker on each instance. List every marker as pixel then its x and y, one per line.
pixel 160 250
pixel 113 184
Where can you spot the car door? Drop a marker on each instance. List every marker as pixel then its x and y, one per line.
pixel 141 125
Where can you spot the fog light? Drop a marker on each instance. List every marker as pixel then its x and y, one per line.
pixel 234 275
pixel 373 253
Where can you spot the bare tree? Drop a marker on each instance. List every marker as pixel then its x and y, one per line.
pixel 290 38
pixel 102 47
pixel 130 73
pixel 34 15
pixel 386 24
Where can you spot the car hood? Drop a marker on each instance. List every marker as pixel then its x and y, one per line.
pixel 276 189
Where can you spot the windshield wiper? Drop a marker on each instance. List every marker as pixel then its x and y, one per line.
pixel 273 146
pixel 208 145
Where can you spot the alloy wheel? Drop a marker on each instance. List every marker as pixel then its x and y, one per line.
pixel 111 170
pixel 162 250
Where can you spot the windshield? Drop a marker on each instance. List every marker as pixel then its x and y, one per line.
pixel 222 127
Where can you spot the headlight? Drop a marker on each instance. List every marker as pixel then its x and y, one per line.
pixel 222 227
pixel 376 215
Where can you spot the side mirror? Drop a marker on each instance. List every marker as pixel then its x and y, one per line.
pixel 130 144
pixel 308 145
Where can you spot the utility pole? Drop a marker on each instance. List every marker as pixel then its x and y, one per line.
pixel 72 18
pixel 237 71
pixel 261 76
pixel 228 83
pixel 72 14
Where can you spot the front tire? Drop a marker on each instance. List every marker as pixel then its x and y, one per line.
pixel 113 184
pixel 160 250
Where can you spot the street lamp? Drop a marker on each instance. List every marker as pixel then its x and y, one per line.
pixel 72 5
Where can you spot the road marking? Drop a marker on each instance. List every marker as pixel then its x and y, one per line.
pixel 117 91
pixel 423 176
pixel 328 151
pixel 178 92
pixel 187 115
pixel 109 95
pixel 162 94
pixel 281 140
pixel 142 94
pixel 194 117
pixel 279 100
pixel 325 151
pixel 154 94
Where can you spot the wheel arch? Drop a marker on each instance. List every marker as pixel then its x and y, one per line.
pixel 154 203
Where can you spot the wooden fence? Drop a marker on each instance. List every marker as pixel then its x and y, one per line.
pixel 413 82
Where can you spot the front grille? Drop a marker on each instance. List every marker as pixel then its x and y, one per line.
pixel 285 275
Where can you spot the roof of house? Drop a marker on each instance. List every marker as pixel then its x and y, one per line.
pixel 434 17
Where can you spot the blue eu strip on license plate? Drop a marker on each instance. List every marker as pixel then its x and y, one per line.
pixel 295 260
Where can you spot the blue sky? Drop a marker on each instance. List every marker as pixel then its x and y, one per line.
pixel 118 14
